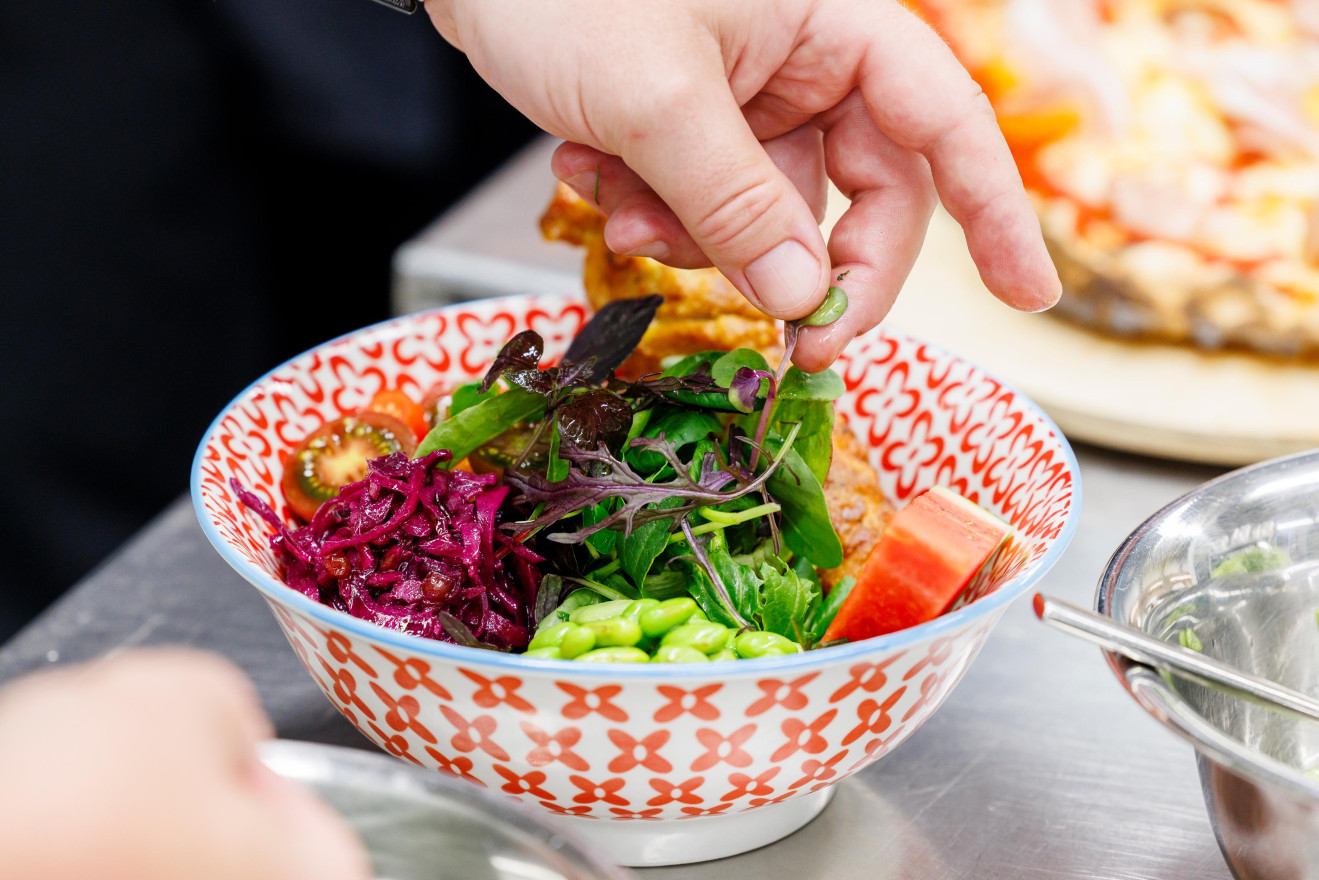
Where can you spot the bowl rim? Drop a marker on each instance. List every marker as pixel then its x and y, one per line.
pixel 277 591
pixel 1156 696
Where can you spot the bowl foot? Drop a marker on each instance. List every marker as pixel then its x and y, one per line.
pixel 647 844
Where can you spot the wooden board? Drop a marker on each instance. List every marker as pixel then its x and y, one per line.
pixel 1163 400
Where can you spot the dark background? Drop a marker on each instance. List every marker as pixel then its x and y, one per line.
pixel 192 191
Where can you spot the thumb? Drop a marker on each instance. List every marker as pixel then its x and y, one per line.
pixel 695 149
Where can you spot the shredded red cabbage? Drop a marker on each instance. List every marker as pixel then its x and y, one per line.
pixel 412 548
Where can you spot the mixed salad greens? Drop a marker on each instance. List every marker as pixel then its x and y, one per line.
pixel 676 518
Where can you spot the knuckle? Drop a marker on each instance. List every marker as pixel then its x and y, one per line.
pixel 742 215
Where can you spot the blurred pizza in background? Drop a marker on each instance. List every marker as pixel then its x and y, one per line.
pixel 1171 148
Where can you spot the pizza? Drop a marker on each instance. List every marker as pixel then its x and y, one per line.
pixel 1171 148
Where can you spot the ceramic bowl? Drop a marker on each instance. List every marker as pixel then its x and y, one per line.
pixel 665 763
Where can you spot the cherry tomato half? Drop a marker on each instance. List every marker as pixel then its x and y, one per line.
pixel 393 402
pixel 336 453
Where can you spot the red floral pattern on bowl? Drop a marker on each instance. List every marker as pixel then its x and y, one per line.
pixel 627 743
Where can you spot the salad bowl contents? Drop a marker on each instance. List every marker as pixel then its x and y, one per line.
pixel 540 593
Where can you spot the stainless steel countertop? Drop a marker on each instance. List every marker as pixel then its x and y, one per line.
pixel 1038 766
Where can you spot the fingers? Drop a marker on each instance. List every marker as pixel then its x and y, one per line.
pixel 641 225
pixel 879 237
pixel 697 152
pixel 922 98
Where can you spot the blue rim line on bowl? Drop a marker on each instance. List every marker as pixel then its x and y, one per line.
pixel 278 591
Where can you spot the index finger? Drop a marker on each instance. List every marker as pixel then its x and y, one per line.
pixel 921 97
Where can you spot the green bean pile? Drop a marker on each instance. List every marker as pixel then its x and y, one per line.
pixel 649 631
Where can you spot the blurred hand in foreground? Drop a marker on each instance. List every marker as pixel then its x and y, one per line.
pixel 705 130
pixel 144 767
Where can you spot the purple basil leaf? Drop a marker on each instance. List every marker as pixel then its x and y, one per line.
pixel 612 335
pixel 521 354
pixel 594 417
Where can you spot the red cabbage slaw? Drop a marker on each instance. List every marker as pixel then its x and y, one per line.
pixel 412 547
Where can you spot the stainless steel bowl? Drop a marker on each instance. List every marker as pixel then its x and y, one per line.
pixel 1169 579
pixel 420 825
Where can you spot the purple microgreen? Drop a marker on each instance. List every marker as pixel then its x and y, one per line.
pixel 597 475
pixel 745 388
pixel 458 631
pixel 703 560
pixel 612 334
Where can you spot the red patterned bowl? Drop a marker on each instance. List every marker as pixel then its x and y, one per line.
pixel 720 758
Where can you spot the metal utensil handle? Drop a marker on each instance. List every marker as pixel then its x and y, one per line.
pixel 1150 651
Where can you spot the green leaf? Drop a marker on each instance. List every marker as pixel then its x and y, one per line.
pixel 603 541
pixel 556 468
pixel 740 580
pixel 815 441
pixel 706 400
pixel 468 396
pixel 668 584
pixel 828 609
pixel 681 427
pixel 639 550
pixel 824 385
pixel 1189 639
pixel 788 601
pixel 806 527
pixel 723 370
pixel 478 425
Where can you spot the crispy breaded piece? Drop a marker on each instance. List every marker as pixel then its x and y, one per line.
pixel 856 503
pixel 702 311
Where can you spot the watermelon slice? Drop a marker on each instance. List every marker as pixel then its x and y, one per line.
pixel 929 552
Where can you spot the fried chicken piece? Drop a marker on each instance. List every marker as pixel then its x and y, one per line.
pixel 702 311
pixel 856 504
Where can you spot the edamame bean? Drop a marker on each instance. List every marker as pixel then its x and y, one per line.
pixel 835 303
pixel 602 611
pixel 638 608
pixel 763 644
pixel 549 636
pixel 615 655
pixel 577 640
pixel 726 654
pixel 678 654
pixel 616 631
pixel 552 653
pixel 665 615
pixel 702 635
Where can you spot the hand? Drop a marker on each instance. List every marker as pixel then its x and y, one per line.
pixel 708 129
pixel 144 767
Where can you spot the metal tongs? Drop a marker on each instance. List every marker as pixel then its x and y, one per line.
pixel 407 7
pixel 1136 645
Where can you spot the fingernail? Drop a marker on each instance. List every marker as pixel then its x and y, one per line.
pixel 585 184
pixel 785 280
pixel 656 250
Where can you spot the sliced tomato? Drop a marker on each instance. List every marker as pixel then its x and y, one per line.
pixel 336 453
pixel 431 404
pixel 929 552
pixel 393 402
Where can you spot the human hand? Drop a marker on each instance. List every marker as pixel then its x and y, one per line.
pixel 144 767
pixel 708 129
